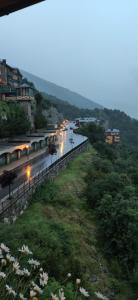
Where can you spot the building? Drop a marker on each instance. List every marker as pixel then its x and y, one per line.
pixel 13 88
pixel 112 136
pixel 86 120
pixel 22 146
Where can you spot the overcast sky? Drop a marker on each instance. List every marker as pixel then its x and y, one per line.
pixel 88 46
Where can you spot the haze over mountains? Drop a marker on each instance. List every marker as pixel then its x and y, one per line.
pixel 61 92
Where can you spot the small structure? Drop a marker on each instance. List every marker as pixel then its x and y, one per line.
pixel 112 136
pixel 86 120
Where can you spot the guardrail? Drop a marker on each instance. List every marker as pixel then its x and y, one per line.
pixel 11 208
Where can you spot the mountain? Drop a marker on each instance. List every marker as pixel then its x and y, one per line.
pixel 60 92
pixel 68 110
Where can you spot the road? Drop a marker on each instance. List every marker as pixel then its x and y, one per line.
pixel 65 146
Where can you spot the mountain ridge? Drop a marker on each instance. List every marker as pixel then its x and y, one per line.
pixel 62 93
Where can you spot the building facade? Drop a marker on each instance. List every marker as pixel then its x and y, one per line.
pixel 86 120
pixel 13 88
pixel 112 136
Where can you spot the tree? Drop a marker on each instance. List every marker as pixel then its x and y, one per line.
pixel 40 121
pixel 7 179
pixel 94 132
pixel 13 120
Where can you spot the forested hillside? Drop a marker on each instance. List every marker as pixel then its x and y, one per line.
pixel 118 119
pixel 112 195
pixel 62 93
pixel 108 118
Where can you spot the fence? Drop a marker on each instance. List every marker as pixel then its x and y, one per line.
pixel 10 209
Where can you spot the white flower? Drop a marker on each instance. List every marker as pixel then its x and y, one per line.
pixel 2 275
pixel 10 258
pixel 61 295
pixel 21 296
pixel 14 218
pixel 84 292
pixel 101 296
pixel 10 290
pixel 69 275
pixel 41 270
pixel 32 293
pixel 19 272
pixel 3 262
pixel 1 255
pixel 36 288
pixel 6 221
pixel 43 279
pixel 25 250
pixel 54 297
pixel 26 272
pixel 34 263
pixel 4 248
pixel 78 281
pixel 16 266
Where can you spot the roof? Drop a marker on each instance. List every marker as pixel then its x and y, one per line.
pixel 25 85
pixel 9 6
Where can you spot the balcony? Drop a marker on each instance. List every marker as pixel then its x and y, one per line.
pixel 19 98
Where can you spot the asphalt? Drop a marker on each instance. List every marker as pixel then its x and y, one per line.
pixel 65 145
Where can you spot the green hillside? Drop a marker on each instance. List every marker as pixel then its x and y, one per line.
pixel 60 92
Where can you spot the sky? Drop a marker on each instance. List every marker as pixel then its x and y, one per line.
pixel 88 46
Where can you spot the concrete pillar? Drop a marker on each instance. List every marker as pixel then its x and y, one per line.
pixel 27 151
pixel 35 146
pixel 7 158
pixel 18 154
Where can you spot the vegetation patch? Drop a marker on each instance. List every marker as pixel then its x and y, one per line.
pixel 60 229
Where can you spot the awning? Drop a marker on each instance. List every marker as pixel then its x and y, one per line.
pixel 9 6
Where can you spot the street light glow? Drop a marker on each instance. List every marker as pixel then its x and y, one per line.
pixel 28 172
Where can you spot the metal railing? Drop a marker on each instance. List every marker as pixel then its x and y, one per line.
pixel 22 195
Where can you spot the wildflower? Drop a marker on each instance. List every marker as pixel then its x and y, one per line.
pixel 21 296
pixel 54 297
pixel 101 296
pixel 25 250
pixel 34 263
pixel 84 292
pixel 14 218
pixel 2 275
pixel 10 258
pixel 41 270
pixel 16 266
pixel 36 288
pixel 10 291
pixel 1 255
pixel 4 248
pixel 3 262
pixel 6 221
pixel 26 272
pixel 19 272
pixel 43 279
pixel 78 281
pixel 69 275
pixel 32 293
pixel 61 295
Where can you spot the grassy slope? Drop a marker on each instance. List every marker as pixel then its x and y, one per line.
pixel 61 231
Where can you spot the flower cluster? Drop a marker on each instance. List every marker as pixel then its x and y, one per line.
pixel 24 279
